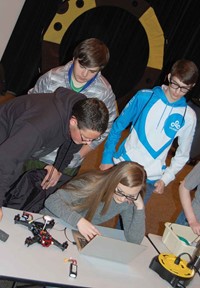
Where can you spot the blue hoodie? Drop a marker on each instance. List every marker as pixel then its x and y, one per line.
pixel 155 123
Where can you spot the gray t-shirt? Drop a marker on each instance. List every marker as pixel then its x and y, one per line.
pixel 192 181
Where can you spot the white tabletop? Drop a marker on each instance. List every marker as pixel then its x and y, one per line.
pixel 47 265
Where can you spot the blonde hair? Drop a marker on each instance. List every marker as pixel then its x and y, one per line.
pixel 96 186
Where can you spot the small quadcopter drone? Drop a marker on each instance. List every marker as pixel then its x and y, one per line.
pixel 39 230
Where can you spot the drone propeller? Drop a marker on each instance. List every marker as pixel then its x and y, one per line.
pixel 47 220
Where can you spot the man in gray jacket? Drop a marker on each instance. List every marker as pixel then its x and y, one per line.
pixel 31 126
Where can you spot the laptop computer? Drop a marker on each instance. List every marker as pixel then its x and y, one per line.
pixel 108 248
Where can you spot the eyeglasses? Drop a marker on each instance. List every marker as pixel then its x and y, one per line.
pixel 176 86
pixel 128 197
pixel 84 139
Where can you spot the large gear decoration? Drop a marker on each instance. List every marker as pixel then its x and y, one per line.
pixel 71 9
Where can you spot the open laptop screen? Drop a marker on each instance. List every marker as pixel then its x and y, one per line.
pixel 108 248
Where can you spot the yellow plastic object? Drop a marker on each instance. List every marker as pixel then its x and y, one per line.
pixel 180 269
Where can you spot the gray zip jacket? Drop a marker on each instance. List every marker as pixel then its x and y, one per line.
pixel 99 88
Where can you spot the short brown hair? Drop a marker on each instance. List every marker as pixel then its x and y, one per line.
pixel 91 53
pixel 92 114
pixel 186 71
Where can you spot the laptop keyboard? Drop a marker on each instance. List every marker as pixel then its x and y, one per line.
pixel 83 242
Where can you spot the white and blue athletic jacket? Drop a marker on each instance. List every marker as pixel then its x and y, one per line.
pixel 155 123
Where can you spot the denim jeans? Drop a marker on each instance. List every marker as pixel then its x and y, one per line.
pixel 149 190
pixel 181 219
pixel 119 224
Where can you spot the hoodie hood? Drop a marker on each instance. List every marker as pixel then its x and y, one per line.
pixel 64 101
pixel 159 93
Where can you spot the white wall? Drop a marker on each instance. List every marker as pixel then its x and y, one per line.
pixel 9 12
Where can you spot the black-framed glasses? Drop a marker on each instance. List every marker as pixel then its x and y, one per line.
pixel 132 198
pixel 176 86
pixel 85 139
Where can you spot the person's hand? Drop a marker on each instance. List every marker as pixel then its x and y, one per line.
pixel 1 214
pixel 139 203
pixel 195 226
pixel 105 166
pixel 159 187
pixel 52 177
pixel 87 229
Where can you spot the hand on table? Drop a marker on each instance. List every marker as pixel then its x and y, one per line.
pixel 87 229
pixel 195 226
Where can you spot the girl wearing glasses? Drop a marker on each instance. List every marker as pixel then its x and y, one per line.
pixel 97 196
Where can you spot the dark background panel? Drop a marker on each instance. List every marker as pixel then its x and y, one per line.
pixel 121 31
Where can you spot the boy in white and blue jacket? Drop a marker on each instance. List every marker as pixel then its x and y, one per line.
pixel 156 117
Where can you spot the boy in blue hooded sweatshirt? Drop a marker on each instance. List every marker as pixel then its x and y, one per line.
pixel 156 117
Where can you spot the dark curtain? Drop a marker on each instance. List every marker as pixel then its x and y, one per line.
pixel 120 30
pixel 22 56
pixel 181 25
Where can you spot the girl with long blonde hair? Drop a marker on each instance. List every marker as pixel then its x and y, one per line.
pixel 95 197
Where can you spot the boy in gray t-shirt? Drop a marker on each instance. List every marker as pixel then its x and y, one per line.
pixel 191 208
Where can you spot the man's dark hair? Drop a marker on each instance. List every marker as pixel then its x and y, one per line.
pixel 91 53
pixel 92 114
